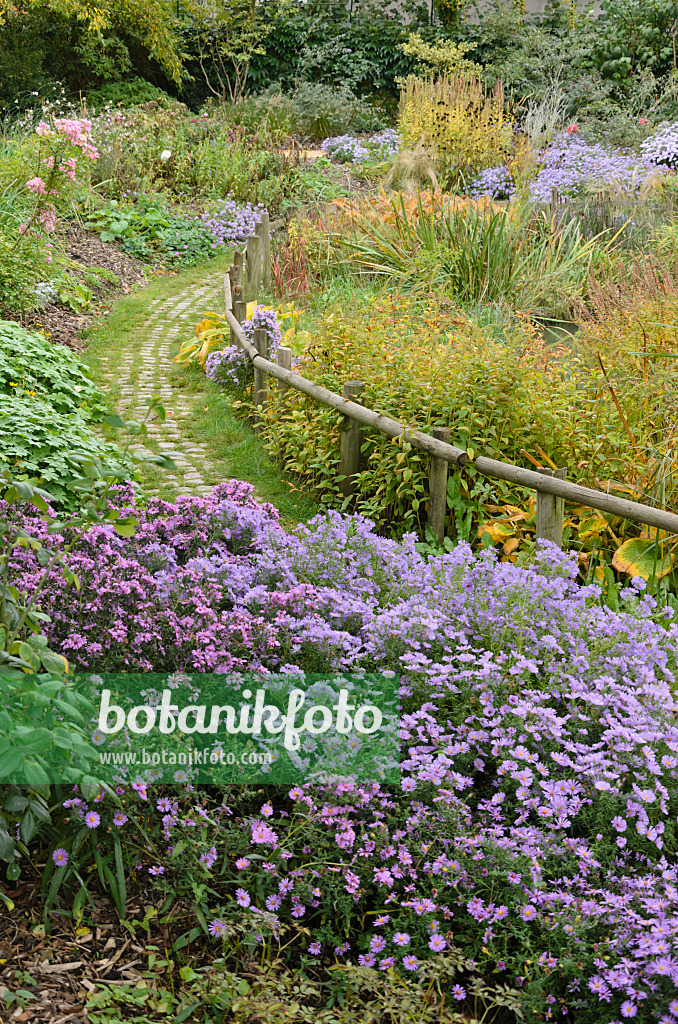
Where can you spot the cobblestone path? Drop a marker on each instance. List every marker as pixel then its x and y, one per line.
pixel 145 369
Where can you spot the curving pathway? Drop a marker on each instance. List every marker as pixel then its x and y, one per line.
pixel 146 369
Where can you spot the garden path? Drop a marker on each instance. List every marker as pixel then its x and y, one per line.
pixel 146 370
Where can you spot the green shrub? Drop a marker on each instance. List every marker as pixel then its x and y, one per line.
pixel 21 268
pixel 424 363
pixel 150 230
pixel 30 363
pixel 125 94
pixel 475 253
pixel 39 444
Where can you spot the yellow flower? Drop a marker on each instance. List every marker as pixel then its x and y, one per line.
pixel 13 384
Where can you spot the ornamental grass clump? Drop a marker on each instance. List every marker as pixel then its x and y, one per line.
pixel 476 252
pixel 534 825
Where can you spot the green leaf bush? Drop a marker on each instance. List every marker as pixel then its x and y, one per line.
pixel 502 394
pixel 40 444
pixel 29 362
pixel 48 406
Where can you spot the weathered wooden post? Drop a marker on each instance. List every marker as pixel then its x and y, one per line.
pixel 349 442
pixel 554 202
pixel 437 491
pixel 266 250
pixel 284 360
pixel 252 267
pixel 551 510
pixel 260 377
pixel 235 272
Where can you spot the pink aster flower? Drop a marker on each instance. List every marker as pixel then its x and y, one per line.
pixel 92 819
pixel 437 943
pixel 401 939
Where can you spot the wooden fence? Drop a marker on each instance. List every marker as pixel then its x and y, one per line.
pixel 251 269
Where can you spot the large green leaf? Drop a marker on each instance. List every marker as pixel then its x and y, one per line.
pixel 638 557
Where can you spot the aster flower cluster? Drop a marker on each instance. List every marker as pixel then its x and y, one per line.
pixel 537 811
pixel 230 368
pixel 661 148
pixel 346 149
pixel 574 167
pixel 495 183
pixel 233 221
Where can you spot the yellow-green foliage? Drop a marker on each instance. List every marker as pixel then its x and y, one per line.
pixel 424 363
pixel 458 119
pixel 443 57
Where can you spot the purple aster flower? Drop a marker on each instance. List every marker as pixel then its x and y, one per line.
pixel 242 898
pixel 60 857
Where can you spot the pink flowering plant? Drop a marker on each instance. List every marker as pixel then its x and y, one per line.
pixel 535 825
pixel 59 154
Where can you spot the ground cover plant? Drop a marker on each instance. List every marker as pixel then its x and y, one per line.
pixel 538 755
pixel 48 411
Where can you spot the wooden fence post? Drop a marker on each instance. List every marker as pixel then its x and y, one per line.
pixel 551 510
pixel 252 268
pixel 235 272
pixel 554 201
pixel 260 377
pixel 266 250
pixel 437 500
pixel 284 360
pixel 349 442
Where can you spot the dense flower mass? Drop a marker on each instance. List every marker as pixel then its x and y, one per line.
pixel 232 221
pixel 574 167
pixel 230 368
pixel 495 183
pixel 345 149
pixel 536 817
pixel 662 147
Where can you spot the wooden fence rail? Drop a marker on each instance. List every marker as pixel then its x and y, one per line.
pixel 553 490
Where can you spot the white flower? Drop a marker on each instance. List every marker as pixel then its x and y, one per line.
pixel 165 155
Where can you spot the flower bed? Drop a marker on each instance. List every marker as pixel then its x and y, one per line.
pixel 535 826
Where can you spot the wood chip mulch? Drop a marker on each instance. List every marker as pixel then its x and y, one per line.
pixel 59 323
pixel 61 970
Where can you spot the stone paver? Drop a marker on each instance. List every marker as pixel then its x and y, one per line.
pixel 168 321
